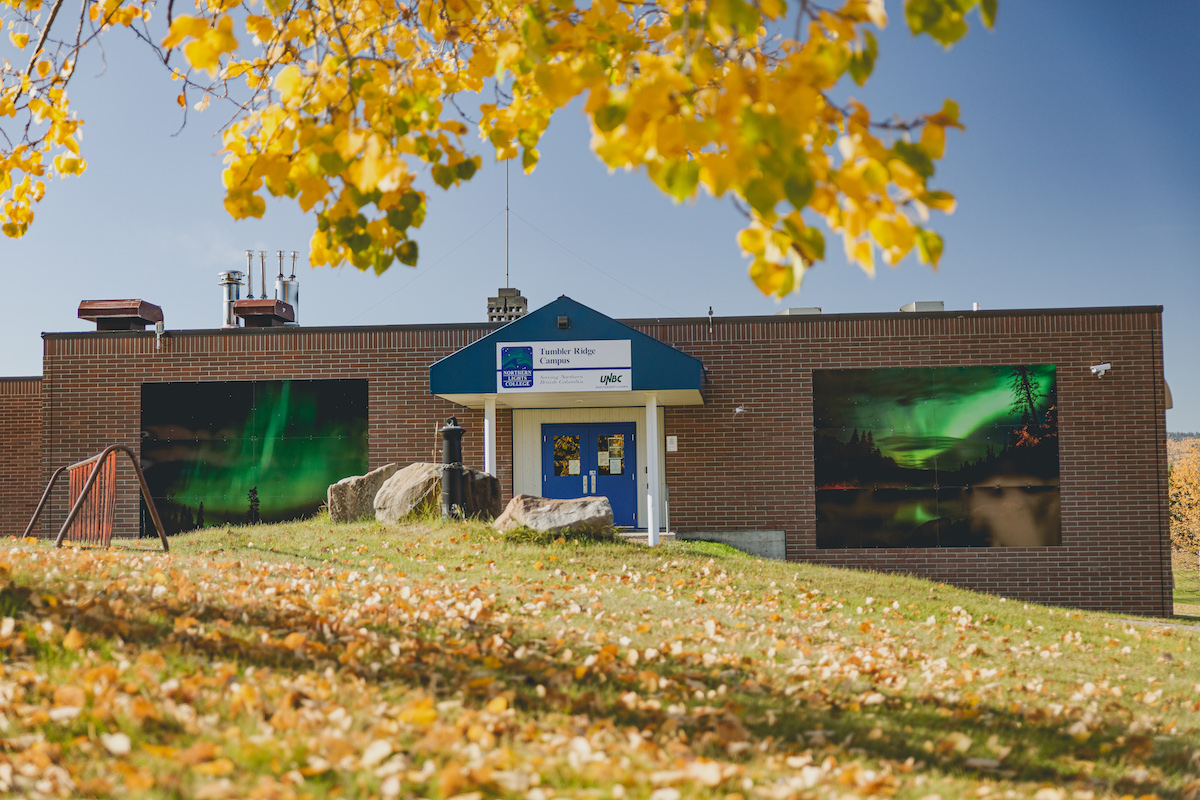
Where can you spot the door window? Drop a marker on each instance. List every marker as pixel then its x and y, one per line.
pixel 610 454
pixel 566 455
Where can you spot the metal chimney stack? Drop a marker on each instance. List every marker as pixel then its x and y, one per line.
pixel 231 282
pixel 288 289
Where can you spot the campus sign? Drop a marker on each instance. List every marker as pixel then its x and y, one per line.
pixel 603 365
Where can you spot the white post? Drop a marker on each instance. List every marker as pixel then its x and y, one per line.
pixel 489 435
pixel 652 479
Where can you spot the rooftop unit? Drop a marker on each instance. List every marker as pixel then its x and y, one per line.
pixel 924 305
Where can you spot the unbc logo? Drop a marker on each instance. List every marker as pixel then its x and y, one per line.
pixel 516 367
pixel 611 377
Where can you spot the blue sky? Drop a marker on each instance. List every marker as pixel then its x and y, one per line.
pixel 1078 180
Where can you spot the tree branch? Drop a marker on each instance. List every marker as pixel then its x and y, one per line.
pixel 42 39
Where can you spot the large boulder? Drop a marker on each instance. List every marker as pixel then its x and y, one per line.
pixel 353 498
pixel 418 488
pixel 582 514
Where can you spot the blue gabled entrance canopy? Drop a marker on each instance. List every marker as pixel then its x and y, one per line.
pixel 473 374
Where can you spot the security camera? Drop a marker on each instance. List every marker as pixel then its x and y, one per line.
pixel 1099 369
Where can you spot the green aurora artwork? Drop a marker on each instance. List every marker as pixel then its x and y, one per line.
pixel 936 457
pixel 246 451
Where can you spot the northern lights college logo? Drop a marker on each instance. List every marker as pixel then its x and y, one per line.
pixel 516 367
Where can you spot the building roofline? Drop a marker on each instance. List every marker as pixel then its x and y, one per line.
pixel 492 326
pixel 954 314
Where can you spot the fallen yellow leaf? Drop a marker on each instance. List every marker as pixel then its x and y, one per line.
pixel 294 641
pixel 69 696
pixel 220 766
pixel 73 640
pixel 160 750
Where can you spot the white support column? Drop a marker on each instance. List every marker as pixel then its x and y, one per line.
pixel 489 435
pixel 652 479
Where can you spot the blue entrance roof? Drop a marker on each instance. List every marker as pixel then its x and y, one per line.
pixel 468 376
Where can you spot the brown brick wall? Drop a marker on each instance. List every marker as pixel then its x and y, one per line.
pixel 755 470
pixel 746 471
pixel 20 449
pixel 93 394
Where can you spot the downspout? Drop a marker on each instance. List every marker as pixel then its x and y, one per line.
pixel 1167 594
pixel 47 417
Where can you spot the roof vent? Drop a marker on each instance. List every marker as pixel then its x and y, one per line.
pixel 120 315
pixel 924 305
pixel 798 312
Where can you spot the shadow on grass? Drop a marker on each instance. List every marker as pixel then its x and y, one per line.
pixel 727 711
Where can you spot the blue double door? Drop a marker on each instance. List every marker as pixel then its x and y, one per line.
pixel 591 460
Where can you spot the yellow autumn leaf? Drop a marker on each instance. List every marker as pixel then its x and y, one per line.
pixel 294 641
pixel 161 751
pixel 260 27
pixel 751 240
pixel 69 696
pixel 864 255
pixel 201 54
pixel 497 704
pixel 219 766
pixel 290 85
pixel 773 9
pixel 242 203
pixel 185 27
pixel 420 712
pixel 933 140
pixel 66 165
pixel 19 40
pixel 73 640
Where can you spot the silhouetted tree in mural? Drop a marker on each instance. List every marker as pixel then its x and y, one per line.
pixel 200 515
pixel 1026 394
pixel 252 515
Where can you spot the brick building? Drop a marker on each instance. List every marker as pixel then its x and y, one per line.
pixel 985 449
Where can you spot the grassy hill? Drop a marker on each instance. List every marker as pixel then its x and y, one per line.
pixel 439 661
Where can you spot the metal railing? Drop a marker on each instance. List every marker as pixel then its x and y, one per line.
pixel 91 516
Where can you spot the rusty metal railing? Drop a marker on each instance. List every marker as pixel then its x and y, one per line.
pixel 91 517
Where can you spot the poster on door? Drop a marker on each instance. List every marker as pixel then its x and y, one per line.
pixel 604 365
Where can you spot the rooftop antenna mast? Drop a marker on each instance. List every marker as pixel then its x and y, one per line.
pixel 506 223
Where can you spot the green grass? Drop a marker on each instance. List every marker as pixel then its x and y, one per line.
pixel 1187 586
pixel 273 658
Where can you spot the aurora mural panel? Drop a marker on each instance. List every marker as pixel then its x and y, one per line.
pixel 244 451
pixel 937 457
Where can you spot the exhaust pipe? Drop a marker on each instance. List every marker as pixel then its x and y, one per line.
pixel 288 289
pixel 231 282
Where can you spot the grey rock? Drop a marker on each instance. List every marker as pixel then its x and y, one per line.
pixel 581 514
pixel 418 489
pixel 353 498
